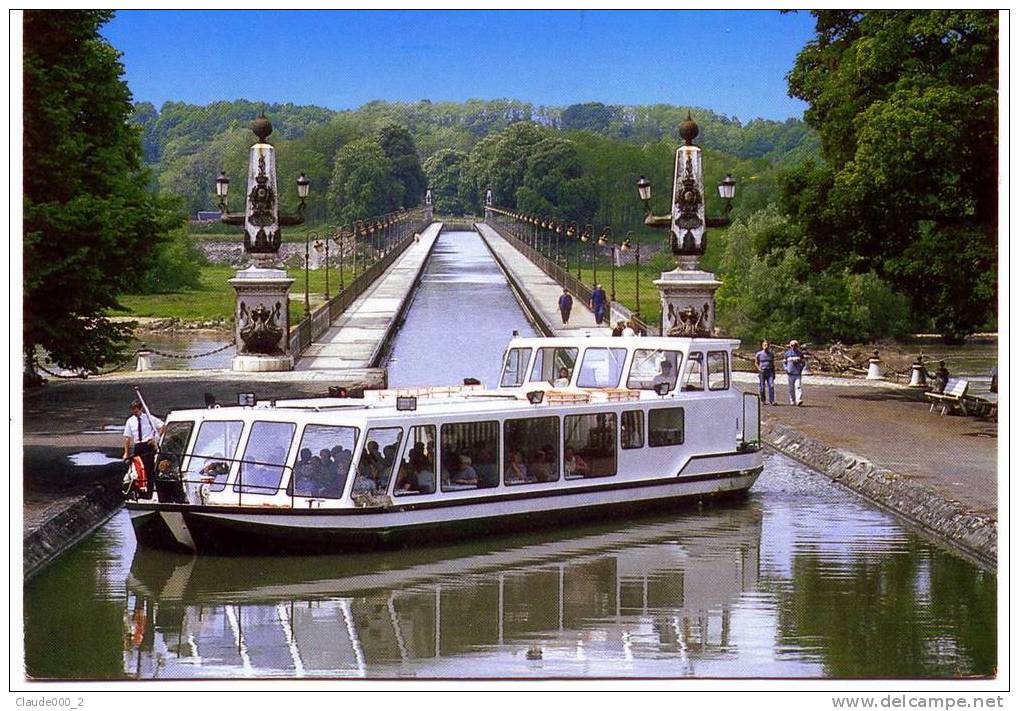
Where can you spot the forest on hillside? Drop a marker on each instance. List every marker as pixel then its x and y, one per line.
pixel 187 145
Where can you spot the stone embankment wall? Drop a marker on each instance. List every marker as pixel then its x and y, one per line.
pixel 972 534
pixel 291 254
pixel 69 519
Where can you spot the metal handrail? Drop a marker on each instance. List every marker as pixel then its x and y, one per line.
pixel 562 276
pixel 238 483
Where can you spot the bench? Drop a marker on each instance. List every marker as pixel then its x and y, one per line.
pixel 953 398
pixel 985 405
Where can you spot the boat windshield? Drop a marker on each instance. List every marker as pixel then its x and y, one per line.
pixel 554 365
pixel 652 366
pixel 515 370
pixel 601 367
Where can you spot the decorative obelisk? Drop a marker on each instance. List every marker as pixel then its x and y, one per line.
pixel 262 316
pixel 687 293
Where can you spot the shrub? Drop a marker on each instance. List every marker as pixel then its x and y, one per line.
pixel 175 265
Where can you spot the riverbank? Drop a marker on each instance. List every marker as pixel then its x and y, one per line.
pixel 938 473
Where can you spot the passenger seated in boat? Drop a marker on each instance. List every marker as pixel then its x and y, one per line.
pixel 564 378
pixel 305 474
pixel 406 480
pixel 665 376
pixel 516 470
pixel 540 468
pixel 575 466
pixel 465 474
pixel 487 466
pixel 371 461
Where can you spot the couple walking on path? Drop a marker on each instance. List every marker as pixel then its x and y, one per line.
pixel 598 304
pixel 794 362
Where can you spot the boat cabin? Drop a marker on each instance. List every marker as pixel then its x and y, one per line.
pixel 568 413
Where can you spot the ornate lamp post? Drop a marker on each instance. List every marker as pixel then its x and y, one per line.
pixel 626 247
pixel 261 313
pixel 359 229
pixel 340 248
pixel 688 294
pixel 606 239
pixel 320 246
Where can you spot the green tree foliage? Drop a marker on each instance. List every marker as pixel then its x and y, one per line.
pixel 905 103
pixel 362 183
pixel 774 293
pixel 90 222
pixel 444 171
pixel 176 264
pixel 398 145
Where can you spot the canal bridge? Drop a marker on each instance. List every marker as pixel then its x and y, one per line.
pixel 359 333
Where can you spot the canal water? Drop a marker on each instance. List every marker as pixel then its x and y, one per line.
pixel 800 579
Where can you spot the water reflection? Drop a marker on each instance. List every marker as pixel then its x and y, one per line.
pixel 654 590
pixel 799 580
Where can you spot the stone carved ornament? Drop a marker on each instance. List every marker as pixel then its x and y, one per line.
pixel 260 329
pixel 688 322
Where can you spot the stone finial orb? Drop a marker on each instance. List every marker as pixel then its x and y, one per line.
pixel 261 127
pixel 689 129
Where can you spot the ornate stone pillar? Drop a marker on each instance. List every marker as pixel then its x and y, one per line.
pixel 488 206
pixel 261 314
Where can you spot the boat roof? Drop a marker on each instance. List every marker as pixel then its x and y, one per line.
pixel 629 342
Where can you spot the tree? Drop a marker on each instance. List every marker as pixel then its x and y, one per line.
pixel 362 184
pixel 398 145
pixel 445 174
pixel 90 222
pixel 905 103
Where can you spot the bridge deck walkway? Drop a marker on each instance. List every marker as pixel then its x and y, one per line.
pixel 359 334
pixel 541 291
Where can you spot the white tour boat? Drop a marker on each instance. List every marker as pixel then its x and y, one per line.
pixel 579 428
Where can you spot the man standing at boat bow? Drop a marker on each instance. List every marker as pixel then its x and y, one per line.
pixel 140 433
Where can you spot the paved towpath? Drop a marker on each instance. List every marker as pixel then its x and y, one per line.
pixel 891 426
pixel 359 334
pixel 541 291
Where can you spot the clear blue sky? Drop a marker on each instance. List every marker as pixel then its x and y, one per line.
pixel 731 61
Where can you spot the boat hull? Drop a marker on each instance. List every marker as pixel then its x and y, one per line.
pixel 225 530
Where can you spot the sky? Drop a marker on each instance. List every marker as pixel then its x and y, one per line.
pixel 733 62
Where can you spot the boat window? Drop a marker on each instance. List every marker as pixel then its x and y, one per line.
pixel 633 429
pixel 264 456
pixel 470 455
pixel 718 370
pixel 665 426
pixel 417 470
pixel 323 461
pixel 601 367
pixel 554 365
pixel 214 451
pixel 589 449
pixel 515 371
pixel 381 449
pixel 172 447
pixel 651 366
pixel 531 450
pixel 694 379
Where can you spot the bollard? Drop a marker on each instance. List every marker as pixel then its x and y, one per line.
pixel 143 361
pixel 918 379
pixel 874 369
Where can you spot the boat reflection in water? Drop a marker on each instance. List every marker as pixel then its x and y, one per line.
pixel 587 605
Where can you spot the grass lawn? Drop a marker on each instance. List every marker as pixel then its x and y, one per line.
pixel 215 298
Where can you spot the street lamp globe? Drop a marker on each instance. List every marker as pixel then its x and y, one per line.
pixel 727 188
pixel 303 186
pixel 644 188
pixel 222 184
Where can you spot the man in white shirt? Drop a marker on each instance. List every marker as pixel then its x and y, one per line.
pixel 140 434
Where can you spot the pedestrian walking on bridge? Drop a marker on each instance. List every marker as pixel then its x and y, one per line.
pixel 565 306
pixel 598 302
